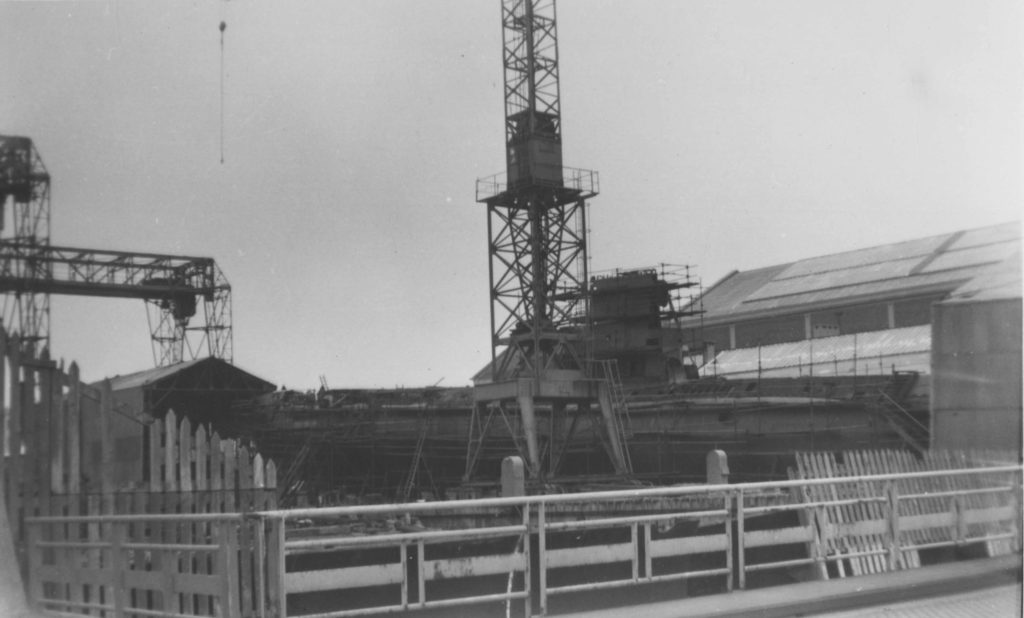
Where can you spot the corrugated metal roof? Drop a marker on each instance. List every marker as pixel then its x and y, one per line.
pixel 730 292
pixel 890 287
pixel 920 248
pixel 973 256
pixel 903 347
pixel 937 264
pixel 988 235
pixel 998 281
pixel 852 275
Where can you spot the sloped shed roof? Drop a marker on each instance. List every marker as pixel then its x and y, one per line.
pixel 202 374
pixel 202 389
pixel 936 264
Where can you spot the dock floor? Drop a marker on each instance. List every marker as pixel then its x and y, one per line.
pixel 866 593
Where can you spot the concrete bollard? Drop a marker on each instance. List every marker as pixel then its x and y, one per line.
pixel 513 477
pixel 717 467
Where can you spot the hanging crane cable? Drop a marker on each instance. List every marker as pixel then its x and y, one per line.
pixel 223 27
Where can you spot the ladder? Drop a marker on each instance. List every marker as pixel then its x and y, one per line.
pixel 622 429
pixel 913 432
pixel 288 486
pixel 410 479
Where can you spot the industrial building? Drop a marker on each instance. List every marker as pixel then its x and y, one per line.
pixel 859 312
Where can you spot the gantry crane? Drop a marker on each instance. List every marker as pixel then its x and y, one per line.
pixel 31 269
pixel 536 220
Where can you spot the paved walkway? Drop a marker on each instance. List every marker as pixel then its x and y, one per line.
pixel 994 602
pixel 865 593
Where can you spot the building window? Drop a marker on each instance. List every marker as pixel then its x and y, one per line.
pixel 767 332
pixel 914 312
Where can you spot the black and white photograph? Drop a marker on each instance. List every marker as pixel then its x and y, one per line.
pixel 503 308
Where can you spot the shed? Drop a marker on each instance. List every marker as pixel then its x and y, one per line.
pixel 202 389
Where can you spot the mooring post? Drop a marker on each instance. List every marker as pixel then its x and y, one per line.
pixel 513 476
pixel 717 466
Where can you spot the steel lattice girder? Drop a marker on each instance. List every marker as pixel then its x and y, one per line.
pixel 531 61
pixel 25 267
pixel 516 298
pixel 31 269
pixel 24 179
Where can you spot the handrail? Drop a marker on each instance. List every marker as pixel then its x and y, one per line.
pixel 630 494
pixel 519 501
pixel 254 559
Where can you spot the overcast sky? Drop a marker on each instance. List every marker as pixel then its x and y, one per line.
pixel 728 135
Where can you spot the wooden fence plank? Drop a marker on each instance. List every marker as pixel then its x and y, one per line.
pixel 201 457
pixel 271 475
pixel 217 471
pixel 74 430
pixel 16 472
pixel 41 412
pixel 258 480
pixel 5 412
pixel 56 409
pixel 185 454
pixel 156 456
pixel 170 432
pixel 30 438
pixel 244 479
pixel 228 448
pixel 841 545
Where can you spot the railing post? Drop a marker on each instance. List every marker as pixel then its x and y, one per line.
pixel 741 563
pixel 276 594
pixel 403 556
pixel 118 564
pixel 228 562
pixel 542 559
pixel 421 591
pixel 258 531
pixel 959 525
pixel 35 563
pixel 892 499
pixel 648 560
pixel 527 564
pixel 635 539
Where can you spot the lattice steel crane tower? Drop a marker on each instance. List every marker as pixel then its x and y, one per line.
pixel 174 287
pixel 536 220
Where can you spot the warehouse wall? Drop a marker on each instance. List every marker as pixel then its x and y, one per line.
pixel 976 384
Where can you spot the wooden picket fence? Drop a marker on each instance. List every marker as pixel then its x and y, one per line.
pixel 852 527
pixel 214 475
pixel 190 477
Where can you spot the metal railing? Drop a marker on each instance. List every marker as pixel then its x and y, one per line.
pixel 585 182
pixel 521 551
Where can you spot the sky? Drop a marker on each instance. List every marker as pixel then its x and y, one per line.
pixel 728 134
